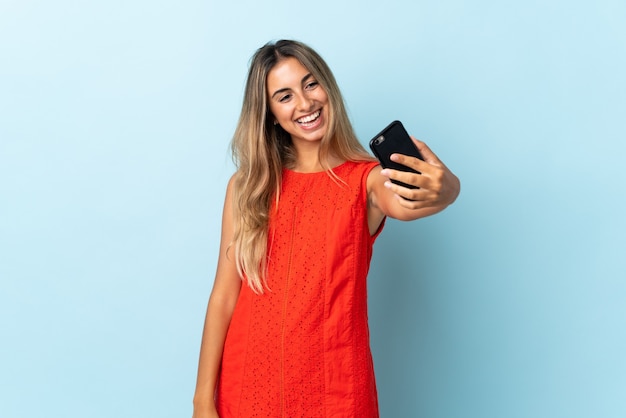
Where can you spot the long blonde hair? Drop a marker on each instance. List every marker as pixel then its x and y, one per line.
pixel 261 150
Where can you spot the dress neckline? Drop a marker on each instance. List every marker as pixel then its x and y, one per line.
pixel 309 173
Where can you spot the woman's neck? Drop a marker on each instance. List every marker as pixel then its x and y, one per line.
pixel 310 163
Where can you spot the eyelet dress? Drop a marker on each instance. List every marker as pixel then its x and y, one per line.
pixel 301 349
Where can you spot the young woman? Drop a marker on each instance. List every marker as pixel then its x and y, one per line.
pixel 286 330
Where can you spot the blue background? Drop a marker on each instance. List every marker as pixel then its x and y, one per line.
pixel 115 120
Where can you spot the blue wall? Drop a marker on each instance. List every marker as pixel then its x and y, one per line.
pixel 115 119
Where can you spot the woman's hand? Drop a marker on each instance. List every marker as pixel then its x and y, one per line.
pixel 438 186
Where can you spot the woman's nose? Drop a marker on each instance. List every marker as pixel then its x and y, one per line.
pixel 305 103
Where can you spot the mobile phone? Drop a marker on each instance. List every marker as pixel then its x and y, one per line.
pixel 394 139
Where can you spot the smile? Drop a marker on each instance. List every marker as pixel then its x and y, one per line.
pixel 310 119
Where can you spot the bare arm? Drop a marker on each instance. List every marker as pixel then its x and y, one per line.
pixel 222 301
pixel 438 188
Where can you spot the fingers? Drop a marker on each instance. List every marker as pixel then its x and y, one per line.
pixel 430 159
pixel 405 177
pixel 427 191
pixel 426 152
pixel 414 198
pixel 435 184
pixel 428 176
pixel 408 161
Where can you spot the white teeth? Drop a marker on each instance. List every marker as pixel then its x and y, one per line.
pixel 309 118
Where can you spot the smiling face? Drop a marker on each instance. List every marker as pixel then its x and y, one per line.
pixel 297 101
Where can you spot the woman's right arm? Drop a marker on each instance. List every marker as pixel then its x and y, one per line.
pixel 222 301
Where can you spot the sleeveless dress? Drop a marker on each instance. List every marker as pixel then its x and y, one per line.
pixel 301 349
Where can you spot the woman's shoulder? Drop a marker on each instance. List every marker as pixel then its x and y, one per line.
pixel 356 173
pixel 360 168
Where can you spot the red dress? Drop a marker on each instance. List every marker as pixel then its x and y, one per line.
pixel 301 349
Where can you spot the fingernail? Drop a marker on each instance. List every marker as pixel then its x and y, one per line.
pixel 394 157
pixel 384 172
pixel 388 184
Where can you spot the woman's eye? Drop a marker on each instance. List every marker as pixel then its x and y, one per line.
pixel 284 98
pixel 312 85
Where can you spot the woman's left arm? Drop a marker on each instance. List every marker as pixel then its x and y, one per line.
pixel 438 188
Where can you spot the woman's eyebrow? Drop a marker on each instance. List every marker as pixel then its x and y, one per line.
pixel 287 88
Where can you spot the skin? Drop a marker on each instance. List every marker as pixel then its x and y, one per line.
pixel 294 94
pixel 438 188
pixel 222 301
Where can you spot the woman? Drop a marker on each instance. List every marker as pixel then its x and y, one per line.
pixel 286 328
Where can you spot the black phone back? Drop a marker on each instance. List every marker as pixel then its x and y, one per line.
pixel 391 140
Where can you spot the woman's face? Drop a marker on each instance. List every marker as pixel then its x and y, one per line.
pixel 297 101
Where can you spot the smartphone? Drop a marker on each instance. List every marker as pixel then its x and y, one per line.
pixel 394 140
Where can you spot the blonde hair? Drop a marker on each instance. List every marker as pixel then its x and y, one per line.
pixel 261 150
